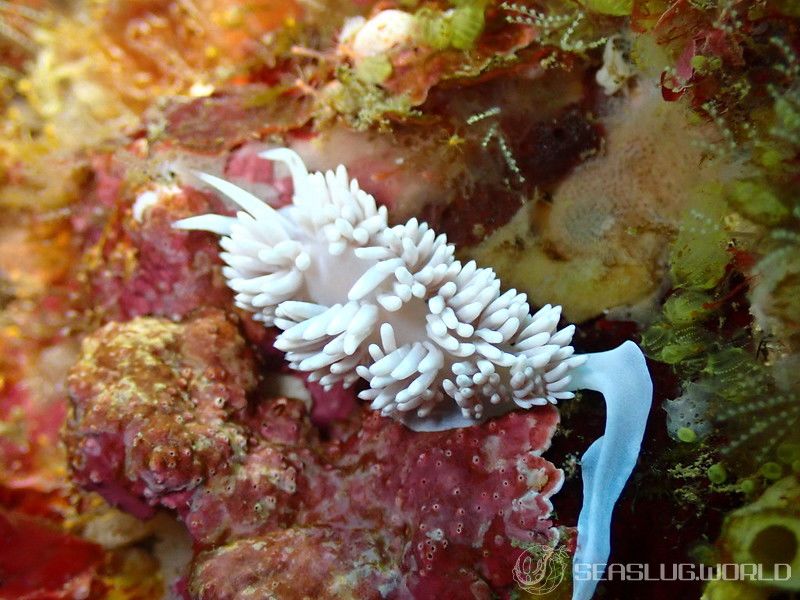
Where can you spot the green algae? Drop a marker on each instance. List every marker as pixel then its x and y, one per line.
pixel 757 201
pixel 617 8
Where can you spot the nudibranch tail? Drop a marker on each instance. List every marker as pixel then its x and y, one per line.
pixel 439 343
pixel 622 377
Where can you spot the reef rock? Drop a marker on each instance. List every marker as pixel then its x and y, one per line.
pixel 171 414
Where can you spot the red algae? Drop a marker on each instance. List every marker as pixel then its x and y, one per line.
pixel 160 418
pixel 296 563
pixel 210 125
pixel 131 268
pixel 143 428
pixel 39 562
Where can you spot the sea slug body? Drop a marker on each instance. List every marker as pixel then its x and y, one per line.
pixel 438 341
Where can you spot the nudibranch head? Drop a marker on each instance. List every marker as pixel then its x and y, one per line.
pixel 437 340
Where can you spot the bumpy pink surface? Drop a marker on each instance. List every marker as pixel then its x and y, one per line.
pixel 173 414
pixel 161 418
pixel 147 268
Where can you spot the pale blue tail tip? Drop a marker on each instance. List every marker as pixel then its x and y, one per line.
pixel 621 376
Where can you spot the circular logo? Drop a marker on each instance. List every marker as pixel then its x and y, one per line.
pixel 541 569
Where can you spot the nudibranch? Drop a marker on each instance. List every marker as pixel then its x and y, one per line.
pixel 438 342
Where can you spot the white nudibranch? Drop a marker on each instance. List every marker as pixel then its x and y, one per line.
pixel 438 342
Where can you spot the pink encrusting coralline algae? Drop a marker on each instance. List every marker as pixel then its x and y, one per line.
pixel 160 419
